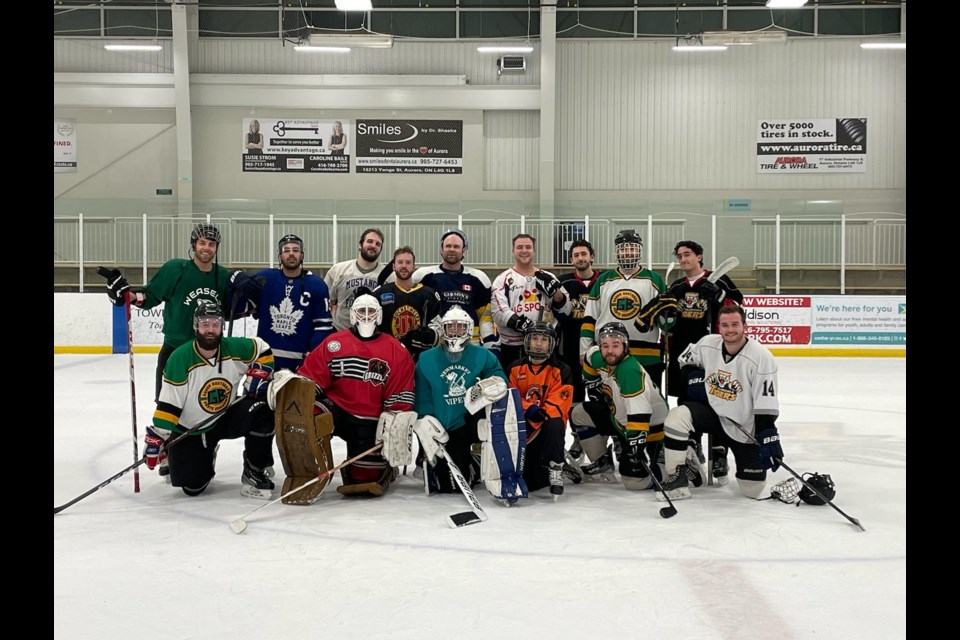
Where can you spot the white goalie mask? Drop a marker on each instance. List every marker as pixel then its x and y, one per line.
pixel 365 315
pixel 456 329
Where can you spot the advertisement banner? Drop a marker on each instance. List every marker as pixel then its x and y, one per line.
pixel 410 146
pixel 859 320
pixel 305 146
pixel 778 319
pixel 813 145
pixel 65 145
pixel 147 326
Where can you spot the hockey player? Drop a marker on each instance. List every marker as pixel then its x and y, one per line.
pixel 618 295
pixel 344 278
pixel 362 373
pixel 408 308
pixel 293 307
pixel 201 378
pixel 444 377
pixel 577 284
pixel 740 385
pixel 546 395
pixel 522 295
pixel 622 403
pixel 461 285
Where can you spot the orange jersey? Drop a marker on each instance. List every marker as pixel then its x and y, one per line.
pixel 546 385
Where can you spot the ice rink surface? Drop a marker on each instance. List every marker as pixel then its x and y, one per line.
pixel 600 563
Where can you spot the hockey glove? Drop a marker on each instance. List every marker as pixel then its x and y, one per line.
pixel 594 390
pixel 258 379
pixel 519 323
pixel 431 434
pixel 695 388
pixel 152 453
pixel 648 314
pixel 484 393
pixel 246 285
pixel 547 282
pixel 535 414
pixel 117 285
pixel 771 453
pixel 419 339
pixel 712 292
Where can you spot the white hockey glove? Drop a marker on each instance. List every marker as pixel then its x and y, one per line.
pixel 280 378
pixel 395 430
pixel 432 435
pixel 484 393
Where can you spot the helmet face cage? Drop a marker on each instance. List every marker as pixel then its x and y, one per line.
pixel 456 329
pixel 786 491
pixel 208 231
pixel 366 315
pixel 539 329
pixel 206 309
pixel 629 249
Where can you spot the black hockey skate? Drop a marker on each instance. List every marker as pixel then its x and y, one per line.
pixel 720 467
pixel 677 485
pixel 254 483
pixel 602 470
pixel 556 480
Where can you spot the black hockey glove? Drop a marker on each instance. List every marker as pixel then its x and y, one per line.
pixel 246 285
pixel 771 453
pixel 712 292
pixel 117 285
pixel 535 413
pixel 631 462
pixel 519 323
pixel 419 339
pixel 547 282
pixel 593 390
pixel 649 312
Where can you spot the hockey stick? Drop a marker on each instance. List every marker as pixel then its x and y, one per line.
pixel 105 273
pixel 164 447
pixel 462 518
pixel 666 277
pixel 240 524
pixel 730 263
pixel 783 464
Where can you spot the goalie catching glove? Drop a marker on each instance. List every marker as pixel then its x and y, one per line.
pixel 432 436
pixel 663 305
pixel 484 393
pixel 395 430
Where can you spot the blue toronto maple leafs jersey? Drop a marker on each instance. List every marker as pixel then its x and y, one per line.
pixel 293 315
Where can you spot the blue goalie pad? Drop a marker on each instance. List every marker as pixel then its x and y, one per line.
pixel 503 436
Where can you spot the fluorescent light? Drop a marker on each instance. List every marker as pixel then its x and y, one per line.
pixel 700 47
pixel 744 37
pixel 883 45
pixel 133 47
pixel 365 40
pixel 311 49
pixel 505 49
pixel 785 4
pixel 354 5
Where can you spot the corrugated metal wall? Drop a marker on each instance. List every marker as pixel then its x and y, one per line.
pixel 511 150
pixel 634 115
pixel 89 56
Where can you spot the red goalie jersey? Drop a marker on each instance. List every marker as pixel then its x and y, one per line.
pixel 364 377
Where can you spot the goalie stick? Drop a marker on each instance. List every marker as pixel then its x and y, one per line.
pixel 812 488
pixel 462 518
pixel 240 524
pixel 166 445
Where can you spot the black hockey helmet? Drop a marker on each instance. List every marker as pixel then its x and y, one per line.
pixel 206 309
pixel 287 239
pixel 539 328
pixel 627 236
pixel 208 231
pixel 629 248
pixel 614 330
pixel 822 483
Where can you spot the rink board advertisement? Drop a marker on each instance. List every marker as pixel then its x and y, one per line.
pixel 297 145
pixel 147 326
pixel 65 145
pixel 410 146
pixel 827 320
pixel 813 145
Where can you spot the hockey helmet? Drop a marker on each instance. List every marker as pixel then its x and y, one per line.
pixel 208 231
pixel 822 482
pixel 288 239
pixel 629 248
pixel 206 309
pixel 539 329
pixel 614 330
pixel 366 314
pixel 456 329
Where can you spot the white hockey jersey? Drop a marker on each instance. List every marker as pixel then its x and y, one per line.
pixel 342 280
pixel 515 293
pixel 737 390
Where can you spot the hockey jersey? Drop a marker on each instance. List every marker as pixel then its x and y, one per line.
pixel 293 314
pixel 406 309
pixel 442 381
pixel 698 314
pixel 547 385
pixel 570 322
pixel 180 284
pixel 635 403
pixel 616 297
pixel 342 281
pixel 469 288
pixel 514 293
pixel 740 387
pixel 194 388
pixel 363 376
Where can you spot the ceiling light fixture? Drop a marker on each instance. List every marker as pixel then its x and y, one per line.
pixel 362 40
pixel 883 45
pixel 354 5
pixel 133 47
pixel 505 49
pixel 785 4
pixel 311 49
pixel 744 37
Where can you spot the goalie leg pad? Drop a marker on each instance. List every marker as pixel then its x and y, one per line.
pixel 303 440
pixel 366 479
pixel 503 435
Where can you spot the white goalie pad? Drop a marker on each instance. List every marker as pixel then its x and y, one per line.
pixel 484 393
pixel 502 436
pixel 395 430
pixel 432 435
pixel 280 378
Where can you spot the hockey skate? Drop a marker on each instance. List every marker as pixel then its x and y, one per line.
pixel 163 469
pixel 601 470
pixel 576 451
pixel 571 469
pixel 720 467
pixel 696 472
pixel 677 485
pixel 253 482
pixel 556 480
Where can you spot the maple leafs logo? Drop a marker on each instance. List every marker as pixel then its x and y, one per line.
pixel 284 318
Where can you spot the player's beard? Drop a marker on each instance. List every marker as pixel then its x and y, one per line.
pixel 292 262
pixel 370 255
pixel 452 259
pixel 209 341
pixel 404 273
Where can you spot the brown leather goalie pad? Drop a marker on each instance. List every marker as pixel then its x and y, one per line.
pixel 303 440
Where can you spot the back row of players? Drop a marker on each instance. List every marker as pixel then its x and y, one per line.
pixel 460 333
